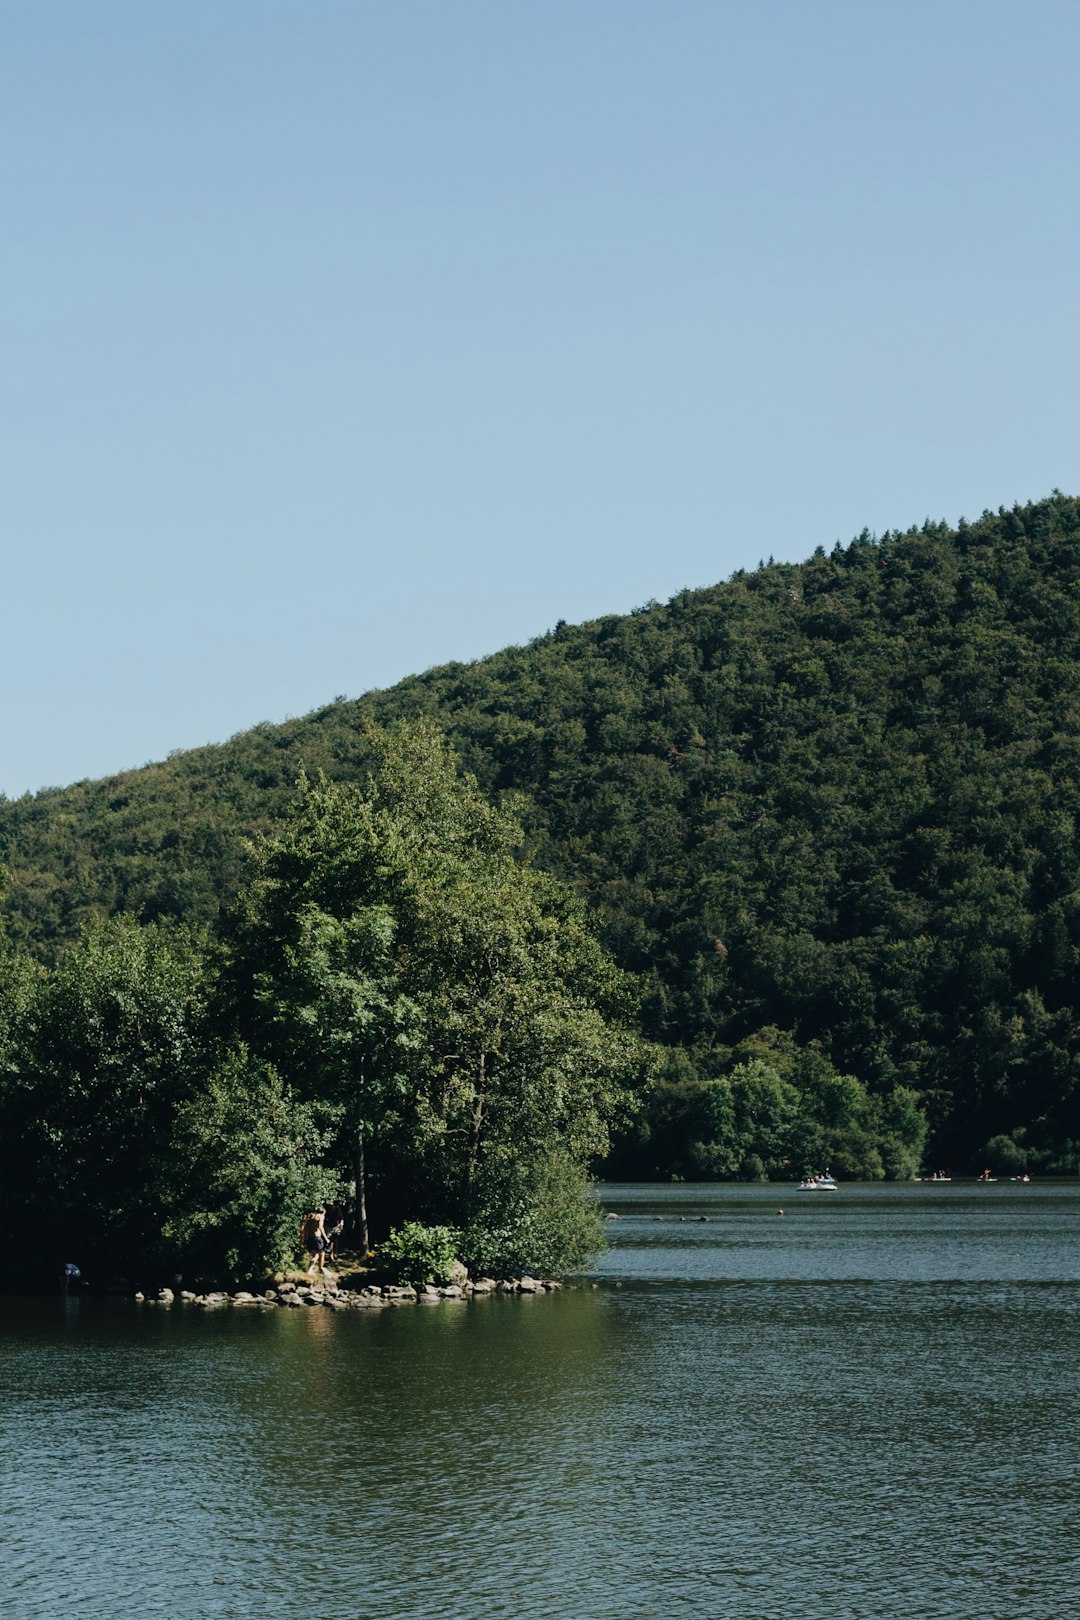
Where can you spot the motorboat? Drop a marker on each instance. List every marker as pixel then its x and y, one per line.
pixel 818 1183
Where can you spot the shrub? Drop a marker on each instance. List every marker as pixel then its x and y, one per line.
pixel 418 1254
pixel 543 1217
pixel 1006 1155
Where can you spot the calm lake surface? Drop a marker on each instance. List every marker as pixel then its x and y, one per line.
pixel 866 1407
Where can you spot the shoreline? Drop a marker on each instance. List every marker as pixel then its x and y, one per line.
pixel 330 1295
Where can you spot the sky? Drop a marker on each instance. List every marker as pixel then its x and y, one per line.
pixel 339 339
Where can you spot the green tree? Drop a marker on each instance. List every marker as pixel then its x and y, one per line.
pixel 316 969
pixel 394 956
pixel 109 1045
pixel 246 1165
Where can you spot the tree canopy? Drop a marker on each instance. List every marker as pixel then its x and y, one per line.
pixel 838 799
pixel 397 1009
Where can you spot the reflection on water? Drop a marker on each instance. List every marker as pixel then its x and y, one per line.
pixel 853 1408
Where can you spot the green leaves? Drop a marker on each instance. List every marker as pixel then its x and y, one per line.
pixel 860 775
pixel 107 1048
pixel 246 1164
pixel 393 955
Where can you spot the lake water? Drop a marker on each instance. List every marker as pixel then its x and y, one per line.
pixel 868 1406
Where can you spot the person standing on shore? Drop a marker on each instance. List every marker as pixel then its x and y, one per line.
pixel 313 1237
pixel 334 1222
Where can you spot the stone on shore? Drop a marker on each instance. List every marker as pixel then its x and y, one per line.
pixel 328 1293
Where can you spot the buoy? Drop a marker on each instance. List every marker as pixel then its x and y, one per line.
pixel 779 1212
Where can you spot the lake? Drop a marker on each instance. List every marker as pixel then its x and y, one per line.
pixel 866 1406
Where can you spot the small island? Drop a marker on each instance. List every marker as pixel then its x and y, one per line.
pixel 398 1017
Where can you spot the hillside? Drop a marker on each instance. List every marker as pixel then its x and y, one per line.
pixel 836 798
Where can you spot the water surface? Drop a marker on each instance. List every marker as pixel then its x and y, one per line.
pixel 865 1406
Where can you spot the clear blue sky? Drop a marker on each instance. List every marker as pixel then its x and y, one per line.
pixel 338 340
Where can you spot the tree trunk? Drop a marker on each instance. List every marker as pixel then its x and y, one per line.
pixel 361 1191
pixel 477 1120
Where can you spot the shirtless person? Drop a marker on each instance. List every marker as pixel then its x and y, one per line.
pixel 313 1237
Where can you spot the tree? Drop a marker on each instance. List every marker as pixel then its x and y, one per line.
pixel 245 1167
pixel 314 965
pixel 393 956
pixel 108 1046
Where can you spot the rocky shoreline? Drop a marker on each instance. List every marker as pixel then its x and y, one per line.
pixel 329 1294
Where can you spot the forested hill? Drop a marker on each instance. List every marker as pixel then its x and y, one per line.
pixel 837 799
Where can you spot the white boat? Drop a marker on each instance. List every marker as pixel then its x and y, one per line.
pixel 823 1183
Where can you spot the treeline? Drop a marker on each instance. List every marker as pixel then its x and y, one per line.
pixel 396 1013
pixel 836 800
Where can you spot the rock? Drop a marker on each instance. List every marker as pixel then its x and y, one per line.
pixel 165 1296
pixel 187 1295
pixel 457 1274
pixel 286 1288
pixel 529 1285
pixel 451 1291
pixel 506 1286
pixel 271 1296
pixel 484 1285
pixel 140 1298
pixel 242 1297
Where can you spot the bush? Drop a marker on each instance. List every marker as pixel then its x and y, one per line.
pixel 1006 1155
pixel 420 1254
pixel 543 1218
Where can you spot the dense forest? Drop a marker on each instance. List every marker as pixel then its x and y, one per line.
pixel 824 814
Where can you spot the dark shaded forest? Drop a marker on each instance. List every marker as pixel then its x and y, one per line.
pixel 826 812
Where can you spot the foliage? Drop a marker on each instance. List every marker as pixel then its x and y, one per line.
pixel 394 955
pixel 780 1112
pixel 838 797
pixel 417 1254
pixel 246 1167
pixel 395 995
pixel 105 1051
pixel 541 1216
